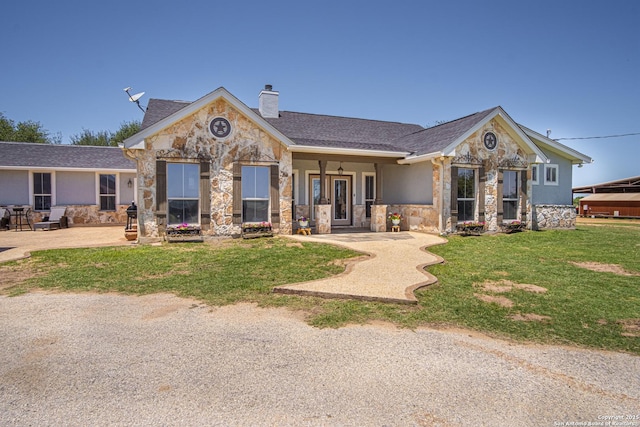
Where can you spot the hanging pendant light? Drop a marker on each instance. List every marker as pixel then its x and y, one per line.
pixel 340 170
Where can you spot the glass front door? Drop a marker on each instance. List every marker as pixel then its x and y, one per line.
pixel 338 195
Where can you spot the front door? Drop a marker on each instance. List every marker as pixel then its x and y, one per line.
pixel 340 200
pixel 338 194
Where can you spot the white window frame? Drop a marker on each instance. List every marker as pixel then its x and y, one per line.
pixel 113 195
pixel 248 198
pixel 33 194
pixel 547 170
pixel 365 175
pixel 535 169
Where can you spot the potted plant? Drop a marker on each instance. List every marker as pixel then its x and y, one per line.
pixel 303 222
pixel 395 218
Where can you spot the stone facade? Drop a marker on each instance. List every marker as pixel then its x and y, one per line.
pixel 379 218
pixel 79 215
pixel 189 140
pixel 547 217
pixel 423 218
pixel 323 219
pixel 472 154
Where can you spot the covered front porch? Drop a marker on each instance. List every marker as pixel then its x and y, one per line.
pixel 348 193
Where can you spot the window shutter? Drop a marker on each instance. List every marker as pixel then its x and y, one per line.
pixel 523 195
pixel 205 195
pixel 500 207
pixel 275 194
pixel 237 193
pixel 454 196
pixel 482 179
pixel 161 193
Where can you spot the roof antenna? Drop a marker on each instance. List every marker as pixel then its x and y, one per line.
pixel 135 98
pixel 548 130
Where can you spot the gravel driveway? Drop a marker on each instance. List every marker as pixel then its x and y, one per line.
pixel 106 359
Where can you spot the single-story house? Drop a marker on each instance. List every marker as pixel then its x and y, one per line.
pixel 95 184
pixel 216 163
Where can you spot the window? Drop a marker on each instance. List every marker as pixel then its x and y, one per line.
pixel 466 194
pixel 255 193
pixel 534 174
pixel 42 191
pixel 551 175
pixel 183 193
pixel 369 193
pixel 107 192
pixel 510 195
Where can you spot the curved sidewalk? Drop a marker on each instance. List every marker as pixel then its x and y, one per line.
pixel 393 271
pixel 19 244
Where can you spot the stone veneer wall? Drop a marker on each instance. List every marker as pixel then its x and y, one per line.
pixel 551 217
pixel 89 215
pixel 423 218
pixel 189 140
pixel 473 154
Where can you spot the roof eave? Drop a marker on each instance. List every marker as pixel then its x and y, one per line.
pixel 345 151
pixel 576 157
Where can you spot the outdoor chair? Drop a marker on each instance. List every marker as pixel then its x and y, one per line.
pixel 53 220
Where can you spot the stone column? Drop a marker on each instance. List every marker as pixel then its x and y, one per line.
pixel 323 219
pixel 379 218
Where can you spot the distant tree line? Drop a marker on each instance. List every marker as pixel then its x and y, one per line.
pixel 31 131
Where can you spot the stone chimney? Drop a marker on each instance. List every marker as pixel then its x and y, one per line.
pixel 268 103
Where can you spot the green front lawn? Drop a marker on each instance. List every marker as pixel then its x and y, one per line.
pixel 573 305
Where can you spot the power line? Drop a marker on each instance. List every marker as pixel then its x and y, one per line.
pixel 600 137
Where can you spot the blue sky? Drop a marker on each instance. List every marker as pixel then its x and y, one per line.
pixel 570 66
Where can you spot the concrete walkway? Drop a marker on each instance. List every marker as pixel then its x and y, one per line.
pixel 19 244
pixel 393 271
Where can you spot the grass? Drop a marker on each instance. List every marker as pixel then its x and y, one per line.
pixel 582 307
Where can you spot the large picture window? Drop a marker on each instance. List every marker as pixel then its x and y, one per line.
pixel 107 192
pixel 255 193
pixel 510 195
pixel 42 191
pixel 466 194
pixel 183 193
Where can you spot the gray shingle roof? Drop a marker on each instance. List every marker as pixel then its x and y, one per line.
pixel 158 109
pixel 438 137
pixel 325 131
pixel 53 156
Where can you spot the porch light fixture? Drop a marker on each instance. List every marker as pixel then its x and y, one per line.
pixel 340 170
pixel 129 183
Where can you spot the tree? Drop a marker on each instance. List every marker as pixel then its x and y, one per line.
pixel 126 130
pixel 87 137
pixel 27 131
pixel 106 138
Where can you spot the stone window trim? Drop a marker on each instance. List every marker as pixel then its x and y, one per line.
pixel 551 174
